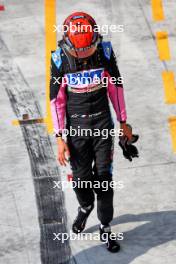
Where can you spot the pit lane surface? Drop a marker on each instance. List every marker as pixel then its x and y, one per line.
pixel 145 207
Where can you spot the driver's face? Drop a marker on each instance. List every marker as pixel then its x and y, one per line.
pixel 83 53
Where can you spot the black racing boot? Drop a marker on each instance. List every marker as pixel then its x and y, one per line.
pixel 109 239
pixel 81 219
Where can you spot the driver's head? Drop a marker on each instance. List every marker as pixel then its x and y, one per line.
pixel 80 35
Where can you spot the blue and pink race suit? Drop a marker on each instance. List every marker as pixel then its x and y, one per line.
pixel 80 93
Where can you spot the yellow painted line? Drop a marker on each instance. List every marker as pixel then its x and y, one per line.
pixel 50 42
pixel 163 45
pixel 157 10
pixel 169 87
pixel 17 122
pixel 172 125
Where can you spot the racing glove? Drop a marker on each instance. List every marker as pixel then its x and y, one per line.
pixel 129 150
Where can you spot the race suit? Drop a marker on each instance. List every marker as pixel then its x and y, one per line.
pixel 79 101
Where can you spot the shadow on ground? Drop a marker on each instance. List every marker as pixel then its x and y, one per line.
pixel 159 228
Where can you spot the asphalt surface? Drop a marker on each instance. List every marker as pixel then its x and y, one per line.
pixel 145 207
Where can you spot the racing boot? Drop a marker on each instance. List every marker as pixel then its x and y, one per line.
pixel 107 237
pixel 81 219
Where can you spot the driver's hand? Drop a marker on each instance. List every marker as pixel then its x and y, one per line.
pixel 127 131
pixel 63 152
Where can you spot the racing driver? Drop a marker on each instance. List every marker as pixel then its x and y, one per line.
pixel 83 103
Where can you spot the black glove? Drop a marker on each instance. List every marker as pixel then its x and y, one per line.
pixel 129 150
